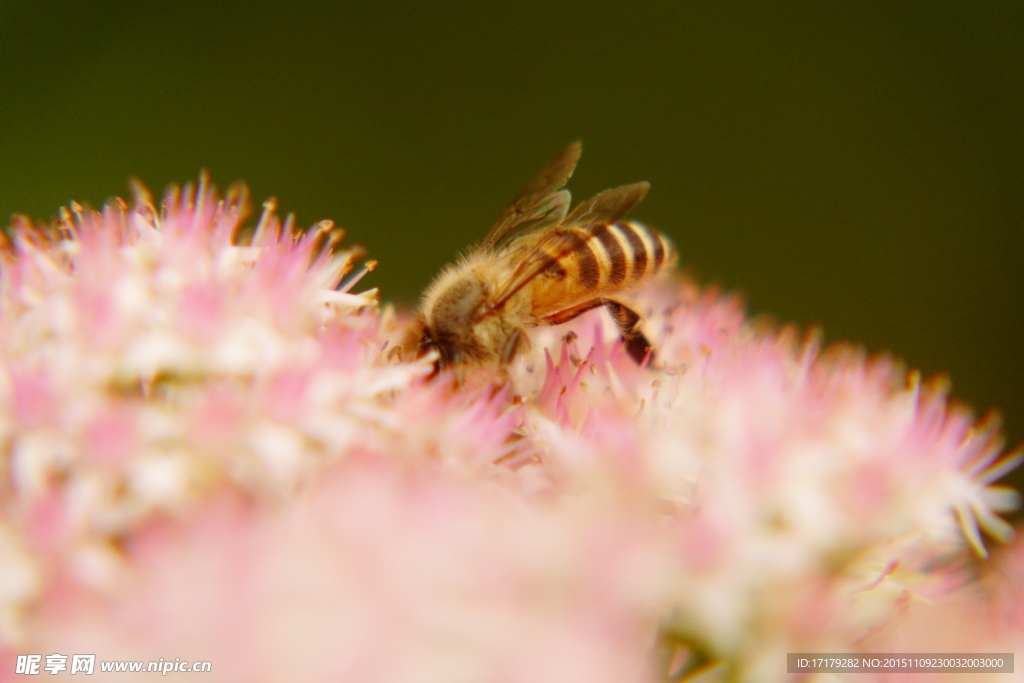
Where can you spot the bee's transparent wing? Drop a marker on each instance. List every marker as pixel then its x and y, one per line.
pixel 608 206
pixel 541 202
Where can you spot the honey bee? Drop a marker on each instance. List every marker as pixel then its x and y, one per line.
pixel 540 264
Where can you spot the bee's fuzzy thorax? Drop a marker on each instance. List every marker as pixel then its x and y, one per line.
pixel 470 264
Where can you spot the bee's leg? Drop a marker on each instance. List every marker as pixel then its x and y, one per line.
pixel 625 317
pixel 628 321
pixel 572 313
pixel 516 342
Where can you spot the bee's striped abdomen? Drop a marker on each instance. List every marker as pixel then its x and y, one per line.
pixel 582 257
pixel 610 256
pixel 627 252
pixel 596 260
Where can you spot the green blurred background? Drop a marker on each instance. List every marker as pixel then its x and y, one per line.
pixel 856 165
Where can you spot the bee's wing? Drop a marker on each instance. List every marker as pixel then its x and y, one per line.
pixel 541 202
pixel 604 207
pixel 608 206
pixel 552 247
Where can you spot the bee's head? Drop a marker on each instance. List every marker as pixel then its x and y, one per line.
pixel 450 320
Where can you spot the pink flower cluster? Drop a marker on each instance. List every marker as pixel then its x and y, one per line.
pixel 209 454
